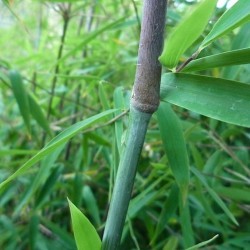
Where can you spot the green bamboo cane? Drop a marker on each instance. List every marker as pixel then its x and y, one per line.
pixel 144 102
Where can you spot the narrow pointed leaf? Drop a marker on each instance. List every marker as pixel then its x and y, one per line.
pixel 103 96
pixel 85 234
pixel 168 209
pixel 236 194
pixel 214 195
pixel 237 15
pixel 21 96
pixel 186 224
pixel 33 231
pixel 172 243
pixel 202 244
pixel 36 184
pixel 119 102
pixel 186 33
pixel 38 114
pixel 235 57
pixel 91 204
pixel 217 98
pixel 174 145
pixel 241 40
pixel 56 142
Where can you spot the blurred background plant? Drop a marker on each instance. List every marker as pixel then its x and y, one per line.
pixel 64 61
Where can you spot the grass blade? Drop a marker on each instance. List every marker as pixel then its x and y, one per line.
pixel 214 195
pixel 236 194
pixel 21 96
pixel 186 224
pixel 174 144
pixel 232 18
pixel 204 243
pixel 235 57
pixel 119 102
pixel 227 100
pixel 91 204
pixel 42 175
pixel 38 115
pixel 85 234
pixel 186 33
pixel 168 210
pixel 172 243
pixel 60 139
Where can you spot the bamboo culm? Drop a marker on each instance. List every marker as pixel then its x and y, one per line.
pixel 144 102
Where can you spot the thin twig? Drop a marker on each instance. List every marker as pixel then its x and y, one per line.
pixel 55 94
pixel 107 123
pixel 66 18
pixel 191 58
pixel 229 152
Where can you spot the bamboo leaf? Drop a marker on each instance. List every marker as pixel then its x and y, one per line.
pixel 91 204
pixel 174 145
pixel 33 231
pixel 236 194
pixel 214 195
pixel 204 243
pixel 59 140
pixel 186 224
pixel 38 114
pixel 85 234
pixel 103 96
pixel 119 102
pixel 235 57
pixel 240 41
pixel 21 96
pixel 217 98
pixel 168 210
pixel 237 15
pixel 142 199
pixel 172 243
pixel 186 33
pixel 36 184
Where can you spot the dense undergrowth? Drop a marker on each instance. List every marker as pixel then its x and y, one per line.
pixel 75 61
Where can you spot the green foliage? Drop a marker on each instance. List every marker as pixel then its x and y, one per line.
pixel 85 234
pixel 227 100
pixel 87 127
pixel 56 142
pixel 186 33
pixel 21 96
pixel 234 57
pixel 204 243
pixel 231 19
pixel 175 147
pixel 28 106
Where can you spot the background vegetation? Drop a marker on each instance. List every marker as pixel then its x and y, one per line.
pixel 76 60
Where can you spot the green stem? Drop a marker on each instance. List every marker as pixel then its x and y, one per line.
pixel 144 102
pixel 125 178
